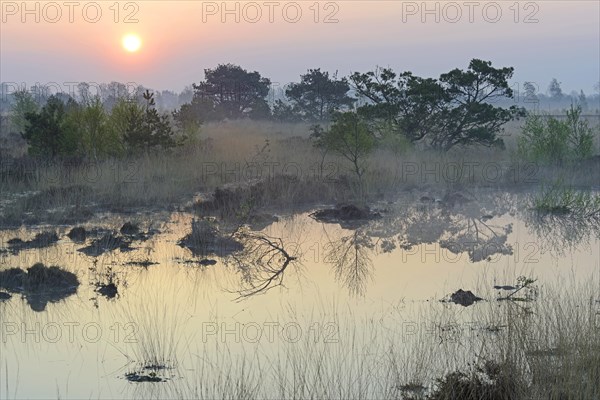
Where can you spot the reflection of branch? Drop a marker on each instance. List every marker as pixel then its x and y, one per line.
pixel 527 284
pixel 351 261
pixel 559 233
pixel 262 263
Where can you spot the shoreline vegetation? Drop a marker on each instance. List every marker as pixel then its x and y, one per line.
pixel 267 166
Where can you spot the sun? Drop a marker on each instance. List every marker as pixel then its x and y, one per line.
pixel 131 42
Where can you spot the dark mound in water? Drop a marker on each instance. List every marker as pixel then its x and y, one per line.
pixel 40 284
pixel 108 242
pixel 142 377
pixel 205 239
pixel 109 291
pixel 464 298
pixel 41 240
pixel 346 215
pixel 77 234
pixel 129 228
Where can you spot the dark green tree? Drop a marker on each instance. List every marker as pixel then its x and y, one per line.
pixel 48 132
pixel 229 91
pixel 192 115
pixel 283 111
pixel 404 104
pixel 145 128
pixel 317 96
pixel 470 117
pixel 455 110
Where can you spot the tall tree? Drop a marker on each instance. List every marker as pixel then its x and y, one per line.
pixel 470 116
pixel 317 96
pixel 455 110
pixel 231 92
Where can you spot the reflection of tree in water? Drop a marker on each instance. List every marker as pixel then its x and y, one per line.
pixel 458 229
pixel 351 260
pixel 261 264
pixel 562 233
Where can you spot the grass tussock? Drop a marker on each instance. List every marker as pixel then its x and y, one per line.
pixel 40 284
pixel 560 200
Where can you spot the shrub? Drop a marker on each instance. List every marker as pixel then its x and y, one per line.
pixel 549 140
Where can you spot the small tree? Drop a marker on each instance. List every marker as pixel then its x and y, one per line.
pixel 145 128
pixel 549 140
pixel 582 100
pixel 95 133
pixel 350 137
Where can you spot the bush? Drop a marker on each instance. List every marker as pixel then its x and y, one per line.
pixel 549 140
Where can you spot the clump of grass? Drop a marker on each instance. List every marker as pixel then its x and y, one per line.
pixel 560 200
pixel 155 334
pixel 490 381
pixel 40 285
pixel 205 239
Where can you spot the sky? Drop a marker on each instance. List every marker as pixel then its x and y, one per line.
pixel 81 41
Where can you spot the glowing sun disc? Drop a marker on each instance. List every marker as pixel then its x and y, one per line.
pixel 132 43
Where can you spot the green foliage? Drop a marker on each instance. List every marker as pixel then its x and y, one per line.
pixel 228 91
pixel 549 140
pixel 145 128
pixel 317 96
pixel 350 137
pixel 454 110
pixel 285 112
pixel 561 200
pixel 48 132
pixel 95 134
pixel 88 130
pixel 24 104
pixel 397 144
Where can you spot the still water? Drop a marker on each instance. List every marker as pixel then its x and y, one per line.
pixel 339 296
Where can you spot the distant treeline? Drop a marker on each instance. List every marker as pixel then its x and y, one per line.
pixel 529 95
pixel 460 108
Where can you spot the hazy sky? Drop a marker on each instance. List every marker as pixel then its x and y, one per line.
pixel 80 41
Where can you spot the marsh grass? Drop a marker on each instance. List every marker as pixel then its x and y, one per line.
pixel 157 337
pixel 278 160
pixel 560 200
pixel 546 348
